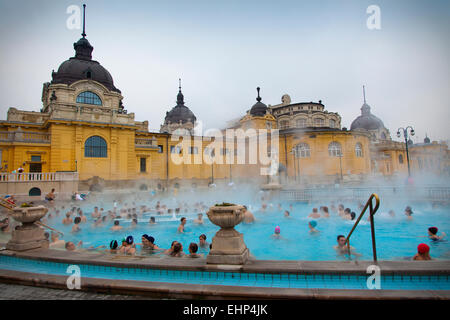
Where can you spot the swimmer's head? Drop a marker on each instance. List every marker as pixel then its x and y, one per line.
pixel 277 230
pixel 113 245
pixel 423 248
pixel 129 240
pixel 116 222
pixel 341 239
pixel 313 223
pixel 408 210
pixel 433 230
pixel 353 215
pixel 77 220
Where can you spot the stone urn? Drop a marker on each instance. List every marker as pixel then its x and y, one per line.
pixel 28 235
pixel 228 245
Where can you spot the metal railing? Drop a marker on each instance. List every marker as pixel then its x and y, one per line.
pixel 372 211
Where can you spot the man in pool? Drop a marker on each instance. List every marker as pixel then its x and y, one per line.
pixel 202 241
pixel 116 226
pixel 199 219
pixel 342 249
pixel 56 242
pixel 181 226
pixel 67 219
pixel 408 212
pixel 248 216
pixel 324 212
pixel 432 234
pixel 314 214
pixel 152 220
pixel 70 246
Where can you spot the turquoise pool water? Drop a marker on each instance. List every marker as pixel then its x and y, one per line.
pixel 396 238
pixel 317 281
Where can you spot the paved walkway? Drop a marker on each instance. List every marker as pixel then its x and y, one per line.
pixel 18 292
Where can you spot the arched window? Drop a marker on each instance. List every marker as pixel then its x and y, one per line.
pixel 400 158
pixel 95 147
pixel 318 122
pixel 34 192
pixel 383 136
pixel 334 149
pixel 89 97
pixel 359 150
pixel 301 123
pixel 284 124
pixel 302 150
pixel 332 123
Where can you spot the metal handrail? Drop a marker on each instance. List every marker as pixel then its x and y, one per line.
pixel 372 211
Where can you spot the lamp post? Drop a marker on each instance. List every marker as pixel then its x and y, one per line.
pixel 405 135
pixel 340 163
pixel 293 152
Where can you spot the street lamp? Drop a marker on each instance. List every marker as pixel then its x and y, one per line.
pixel 405 135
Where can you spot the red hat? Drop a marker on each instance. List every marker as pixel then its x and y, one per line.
pixel 423 248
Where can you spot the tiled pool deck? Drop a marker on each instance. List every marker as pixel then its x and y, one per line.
pixel 258 279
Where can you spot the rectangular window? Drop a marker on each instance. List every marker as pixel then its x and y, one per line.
pixel 175 149
pixel 36 158
pixel 193 150
pixel 160 148
pixel 143 165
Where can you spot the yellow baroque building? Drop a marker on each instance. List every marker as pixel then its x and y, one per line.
pixel 83 131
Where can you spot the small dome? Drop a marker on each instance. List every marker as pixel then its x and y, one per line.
pixel 259 108
pixel 83 67
pixel 180 112
pixel 426 140
pixel 366 120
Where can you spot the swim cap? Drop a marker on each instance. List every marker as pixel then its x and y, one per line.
pixel 433 230
pixel 113 245
pixel 423 248
pixel 149 238
pixel 277 229
pixel 129 240
pixel 313 223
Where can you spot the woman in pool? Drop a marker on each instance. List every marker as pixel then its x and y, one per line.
pixel 423 252
pixel 277 232
pixel 129 248
pixel 170 250
pixel 76 227
pixel 152 220
pixel 324 212
pixel 177 250
pixel 148 243
pixel 341 210
pixel 432 234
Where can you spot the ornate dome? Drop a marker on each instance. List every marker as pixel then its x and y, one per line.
pixel 180 112
pixel 366 120
pixel 83 67
pixel 259 108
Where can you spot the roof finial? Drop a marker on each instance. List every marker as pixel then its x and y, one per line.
pixel 364 94
pixel 258 98
pixel 84 16
pixel 179 84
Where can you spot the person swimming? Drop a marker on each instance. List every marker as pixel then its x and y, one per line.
pixel 248 216
pixel 408 212
pixel 342 249
pixel 148 243
pixel 423 252
pixel 76 227
pixel 277 233
pixel 116 226
pixel 113 246
pixel 314 214
pixel 312 226
pixel 193 248
pixel 432 234
pixel 181 226
pixel 324 212
pixel 177 250
pixel 199 219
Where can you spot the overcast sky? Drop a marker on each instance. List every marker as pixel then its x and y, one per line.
pixel 224 49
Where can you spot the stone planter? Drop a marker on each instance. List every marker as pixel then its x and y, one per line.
pixel 28 235
pixel 228 245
